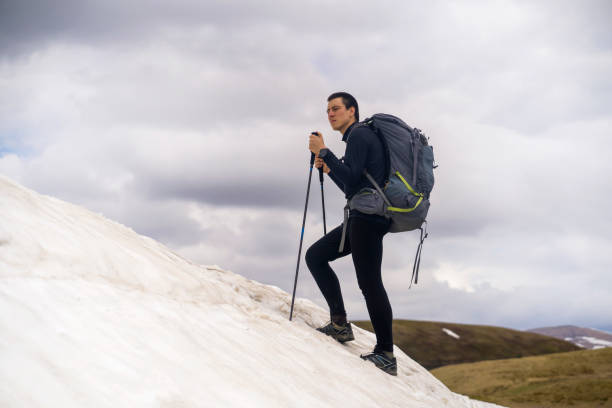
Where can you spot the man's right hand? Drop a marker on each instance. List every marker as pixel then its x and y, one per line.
pixel 320 163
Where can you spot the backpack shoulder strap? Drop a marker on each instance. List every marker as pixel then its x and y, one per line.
pixel 370 122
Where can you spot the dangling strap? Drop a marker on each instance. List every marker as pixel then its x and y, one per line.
pixel 344 224
pixel 417 257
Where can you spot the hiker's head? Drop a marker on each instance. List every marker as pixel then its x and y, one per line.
pixel 342 110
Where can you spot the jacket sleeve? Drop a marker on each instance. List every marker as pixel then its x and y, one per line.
pixel 350 171
pixel 335 180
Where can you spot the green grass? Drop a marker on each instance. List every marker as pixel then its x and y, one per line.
pixel 426 343
pixel 580 379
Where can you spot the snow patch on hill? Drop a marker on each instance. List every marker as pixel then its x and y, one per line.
pixel 580 336
pixel 597 343
pixel 451 333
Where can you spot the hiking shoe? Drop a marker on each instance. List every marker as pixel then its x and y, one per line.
pixel 338 332
pixel 380 360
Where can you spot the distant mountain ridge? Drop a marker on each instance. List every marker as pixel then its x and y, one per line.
pixel 580 336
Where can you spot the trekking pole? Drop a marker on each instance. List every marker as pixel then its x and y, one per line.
pixel 297 268
pixel 322 200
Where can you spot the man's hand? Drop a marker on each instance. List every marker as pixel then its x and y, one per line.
pixel 316 143
pixel 320 163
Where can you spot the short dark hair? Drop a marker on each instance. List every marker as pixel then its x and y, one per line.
pixel 348 100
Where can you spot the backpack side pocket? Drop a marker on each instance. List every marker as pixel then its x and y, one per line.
pixel 367 201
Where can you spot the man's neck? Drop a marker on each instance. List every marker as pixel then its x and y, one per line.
pixel 343 130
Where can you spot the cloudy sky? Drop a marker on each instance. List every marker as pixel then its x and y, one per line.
pixel 188 122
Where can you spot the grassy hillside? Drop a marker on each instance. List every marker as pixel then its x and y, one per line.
pixel 430 346
pixel 580 379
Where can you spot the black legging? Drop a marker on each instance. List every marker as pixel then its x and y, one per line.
pixel 364 242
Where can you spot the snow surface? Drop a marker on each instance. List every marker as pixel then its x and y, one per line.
pixel 450 333
pixel 589 342
pixel 597 343
pixel 94 315
pixel 575 340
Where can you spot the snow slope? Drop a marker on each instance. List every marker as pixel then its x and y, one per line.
pixel 93 314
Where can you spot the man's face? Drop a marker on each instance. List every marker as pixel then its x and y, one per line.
pixel 339 117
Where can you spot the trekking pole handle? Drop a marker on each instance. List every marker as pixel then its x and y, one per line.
pixel 312 160
pixel 322 193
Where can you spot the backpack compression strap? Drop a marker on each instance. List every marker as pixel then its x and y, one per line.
pixel 377 187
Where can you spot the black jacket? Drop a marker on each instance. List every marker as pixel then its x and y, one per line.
pixel 364 150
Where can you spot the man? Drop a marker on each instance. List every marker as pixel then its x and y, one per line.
pixel 364 232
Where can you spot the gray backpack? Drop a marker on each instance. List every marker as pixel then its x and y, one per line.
pixel 404 198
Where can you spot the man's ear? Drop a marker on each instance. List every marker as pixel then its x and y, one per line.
pixel 352 110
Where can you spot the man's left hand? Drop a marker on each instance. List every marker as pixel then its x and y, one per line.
pixel 316 143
